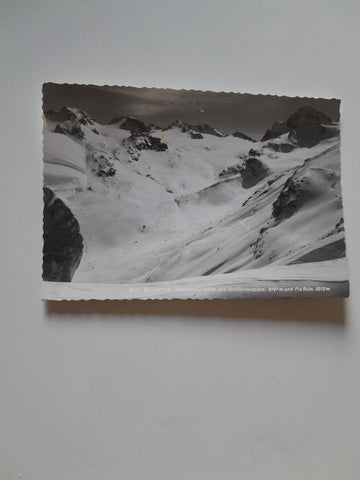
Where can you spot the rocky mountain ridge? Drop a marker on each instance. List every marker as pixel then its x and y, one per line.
pixel 306 127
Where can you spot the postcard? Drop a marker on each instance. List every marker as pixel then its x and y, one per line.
pixel 154 193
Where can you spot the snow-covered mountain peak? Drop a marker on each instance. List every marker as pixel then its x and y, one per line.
pixel 193 129
pixel 178 124
pixel 132 124
pixel 277 129
pixel 70 114
pixel 304 128
pixel 207 129
pixel 307 115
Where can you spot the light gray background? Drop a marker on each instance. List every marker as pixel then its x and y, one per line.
pixel 182 390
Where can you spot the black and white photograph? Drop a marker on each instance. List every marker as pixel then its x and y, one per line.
pixel 162 193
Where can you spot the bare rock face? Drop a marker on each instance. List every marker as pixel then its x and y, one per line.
pixel 310 135
pixel 145 142
pixel 102 163
pixel 177 124
pixel 308 127
pixel 196 135
pixel 71 128
pixel 207 129
pixel 70 122
pixel 254 153
pixel 252 171
pixel 231 171
pixel 307 116
pixel 278 128
pixel 283 147
pixel 67 113
pixel 194 129
pixel 131 124
pixel 63 243
pixel 243 136
pixel 295 193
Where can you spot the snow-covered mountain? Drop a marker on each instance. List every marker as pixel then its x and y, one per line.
pixel 187 201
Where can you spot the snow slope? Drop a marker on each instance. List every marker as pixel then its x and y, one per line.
pixel 306 280
pixel 152 216
pixel 64 162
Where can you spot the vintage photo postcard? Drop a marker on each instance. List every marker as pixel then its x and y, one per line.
pixel 160 193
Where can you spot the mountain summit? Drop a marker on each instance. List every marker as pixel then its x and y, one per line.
pixel 306 127
pixel 307 116
pixel 70 114
pixel 132 124
pixel 203 128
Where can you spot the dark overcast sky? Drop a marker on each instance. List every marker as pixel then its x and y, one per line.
pixel 228 112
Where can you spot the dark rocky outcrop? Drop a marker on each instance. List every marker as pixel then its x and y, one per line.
pixel 106 172
pixel 339 227
pixel 70 122
pixel 196 135
pixel 257 247
pixel 252 171
pixel 254 153
pixel 281 147
pixel 146 142
pixel 207 129
pixel 230 171
pixel 193 129
pixel 70 128
pixel 306 127
pixel 103 164
pixel 309 126
pixel 278 128
pixel 63 243
pixel 307 116
pixel 295 193
pixel 310 135
pixel 67 113
pixel 178 124
pixel 243 136
pixel 131 124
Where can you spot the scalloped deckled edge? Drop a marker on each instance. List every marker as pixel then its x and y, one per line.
pixel 194 90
